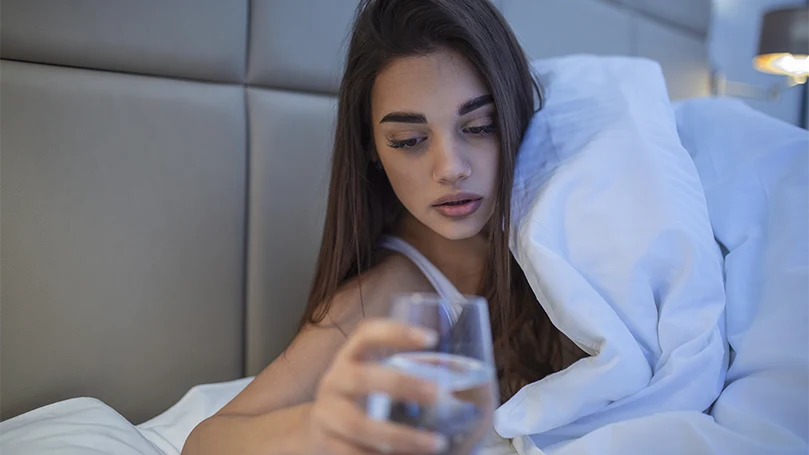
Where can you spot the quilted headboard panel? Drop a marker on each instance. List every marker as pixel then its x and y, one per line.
pixel 164 172
pixel 671 32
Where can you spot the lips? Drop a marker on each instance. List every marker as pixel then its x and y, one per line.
pixel 458 205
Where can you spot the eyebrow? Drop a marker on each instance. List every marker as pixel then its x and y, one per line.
pixel 404 117
pixel 414 117
pixel 475 103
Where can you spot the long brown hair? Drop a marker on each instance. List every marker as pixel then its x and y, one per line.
pixel 362 205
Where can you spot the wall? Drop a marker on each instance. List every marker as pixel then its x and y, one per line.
pixel 732 43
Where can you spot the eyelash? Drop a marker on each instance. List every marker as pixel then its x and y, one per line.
pixel 473 130
pixel 481 130
pixel 405 144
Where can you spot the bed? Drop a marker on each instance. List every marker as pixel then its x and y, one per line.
pixel 149 153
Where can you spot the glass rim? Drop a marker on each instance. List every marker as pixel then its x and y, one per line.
pixel 433 298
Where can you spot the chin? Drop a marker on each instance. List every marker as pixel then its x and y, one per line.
pixel 458 230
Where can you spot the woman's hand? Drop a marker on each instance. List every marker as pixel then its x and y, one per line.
pixel 339 424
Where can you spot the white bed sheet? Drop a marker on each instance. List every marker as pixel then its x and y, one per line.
pixel 83 426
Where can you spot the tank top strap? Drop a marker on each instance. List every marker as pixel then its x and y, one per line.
pixel 443 287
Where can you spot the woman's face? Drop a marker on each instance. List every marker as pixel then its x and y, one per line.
pixel 435 134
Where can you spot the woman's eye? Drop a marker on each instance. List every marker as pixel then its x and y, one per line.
pixel 406 143
pixel 480 130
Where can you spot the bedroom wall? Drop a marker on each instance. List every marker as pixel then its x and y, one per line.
pixel 732 43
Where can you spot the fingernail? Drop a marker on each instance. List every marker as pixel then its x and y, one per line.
pixel 428 337
pixel 440 443
pixel 430 390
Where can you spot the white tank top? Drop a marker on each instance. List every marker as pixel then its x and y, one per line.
pixel 494 443
pixel 443 287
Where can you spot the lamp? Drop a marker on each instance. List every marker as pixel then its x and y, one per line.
pixel 783 49
pixel 783 46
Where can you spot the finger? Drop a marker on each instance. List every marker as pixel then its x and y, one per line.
pixel 339 446
pixel 348 422
pixel 362 379
pixel 386 333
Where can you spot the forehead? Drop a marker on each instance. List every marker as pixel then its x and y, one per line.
pixel 441 80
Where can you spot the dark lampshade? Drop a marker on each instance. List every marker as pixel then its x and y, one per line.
pixel 784 43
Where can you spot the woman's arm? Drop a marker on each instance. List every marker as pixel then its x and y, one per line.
pixel 334 423
pixel 280 432
pixel 270 415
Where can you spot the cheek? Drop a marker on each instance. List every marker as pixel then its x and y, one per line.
pixel 489 164
pixel 405 180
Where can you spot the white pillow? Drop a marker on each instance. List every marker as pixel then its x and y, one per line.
pixel 612 230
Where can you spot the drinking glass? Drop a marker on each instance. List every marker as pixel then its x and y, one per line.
pixel 461 363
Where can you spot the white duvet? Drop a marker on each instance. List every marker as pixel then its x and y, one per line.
pixel 621 203
pixel 621 206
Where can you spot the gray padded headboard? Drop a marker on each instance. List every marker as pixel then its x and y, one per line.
pixel 164 172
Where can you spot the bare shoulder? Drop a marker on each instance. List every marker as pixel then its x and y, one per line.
pixel 369 295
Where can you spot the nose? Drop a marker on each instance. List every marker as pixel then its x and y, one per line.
pixel 451 163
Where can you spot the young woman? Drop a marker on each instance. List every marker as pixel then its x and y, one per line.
pixel 433 104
